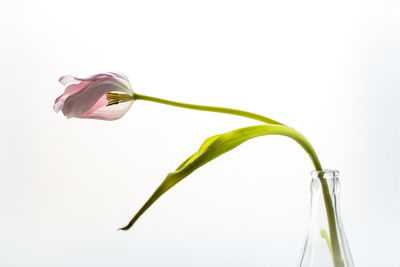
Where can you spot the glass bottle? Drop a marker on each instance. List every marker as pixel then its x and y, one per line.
pixel 318 250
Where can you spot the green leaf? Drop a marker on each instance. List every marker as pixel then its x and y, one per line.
pixel 215 146
pixel 325 236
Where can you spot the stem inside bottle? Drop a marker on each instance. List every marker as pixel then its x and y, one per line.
pixel 326 243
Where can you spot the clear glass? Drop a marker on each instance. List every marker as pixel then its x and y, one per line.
pixel 317 249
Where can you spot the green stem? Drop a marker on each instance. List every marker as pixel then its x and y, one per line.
pixel 338 262
pixel 330 212
pixel 207 108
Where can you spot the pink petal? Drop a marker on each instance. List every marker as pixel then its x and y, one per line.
pixel 79 103
pixel 67 80
pixel 120 75
pixel 100 103
pixel 72 89
pixel 121 78
pixel 96 77
pixel 110 113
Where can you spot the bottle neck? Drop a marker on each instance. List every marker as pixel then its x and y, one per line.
pixel 321 228
pixel 331 178
pixel 326 242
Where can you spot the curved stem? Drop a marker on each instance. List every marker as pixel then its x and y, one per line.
pixel 207 108
pixel 338 262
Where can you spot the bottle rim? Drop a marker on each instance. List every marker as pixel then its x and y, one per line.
pixel 326 174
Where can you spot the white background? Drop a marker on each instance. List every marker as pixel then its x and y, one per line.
pixel 328 69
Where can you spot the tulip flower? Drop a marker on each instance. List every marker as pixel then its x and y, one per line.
pixel 108 96
pixel 104 96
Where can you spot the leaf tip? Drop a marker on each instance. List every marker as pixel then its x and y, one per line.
pixel 126 228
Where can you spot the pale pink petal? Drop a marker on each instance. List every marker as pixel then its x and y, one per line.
pixel 100 103
pixel 120 75
pixel 78 104
pixel 110 113
pixel 121 78
pixel 67 80
pixel 96 77
pixel 73 88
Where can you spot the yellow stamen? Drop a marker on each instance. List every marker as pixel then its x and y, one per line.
pixel 116 98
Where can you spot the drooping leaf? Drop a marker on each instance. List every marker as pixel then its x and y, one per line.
pixel 215 146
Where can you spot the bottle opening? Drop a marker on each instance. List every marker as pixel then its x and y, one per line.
pixel 326 174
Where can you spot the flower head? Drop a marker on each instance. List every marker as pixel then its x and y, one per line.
pixel 104 96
